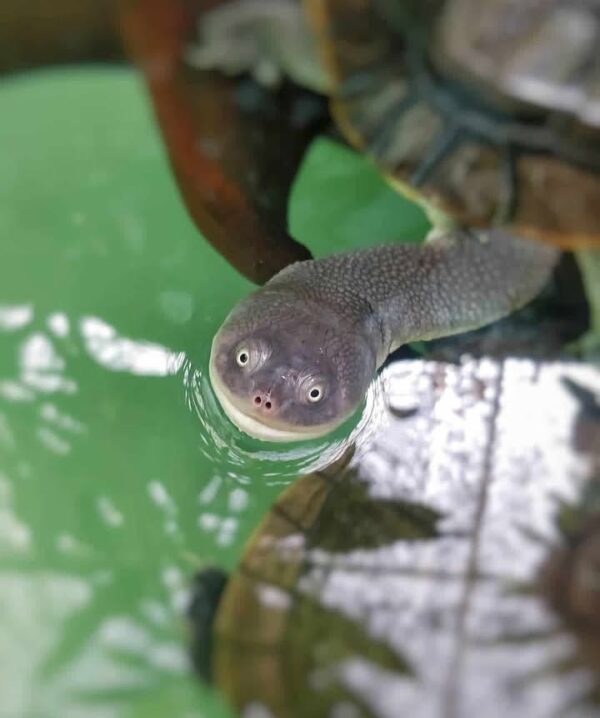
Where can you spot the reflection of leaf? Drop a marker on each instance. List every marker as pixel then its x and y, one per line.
pixel 562 581
pixel 112 599
pixel 341 590
pixel 281 646
pixel 351 519
pixel 318 642
pixel 291 657
pixel 79 629
pixel 585 656
pixel 588 399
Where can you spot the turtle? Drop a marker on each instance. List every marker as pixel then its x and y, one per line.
pixel 466 108
pixel 426 573
pixel 464 105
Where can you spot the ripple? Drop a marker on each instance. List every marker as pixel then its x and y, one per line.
pixel 243 458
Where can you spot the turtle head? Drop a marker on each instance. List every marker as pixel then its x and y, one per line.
pixel 285 371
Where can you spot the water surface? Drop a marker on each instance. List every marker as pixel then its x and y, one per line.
pixel 119 477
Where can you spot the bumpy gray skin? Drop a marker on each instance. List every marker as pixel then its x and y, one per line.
pixel 331 322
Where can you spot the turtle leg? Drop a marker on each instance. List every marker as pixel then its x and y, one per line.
pixel 207 589
pixel 588 260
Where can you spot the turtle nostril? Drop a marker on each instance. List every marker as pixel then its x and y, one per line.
pixel 262 399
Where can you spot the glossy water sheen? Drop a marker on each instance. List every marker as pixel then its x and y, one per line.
pixel 119 477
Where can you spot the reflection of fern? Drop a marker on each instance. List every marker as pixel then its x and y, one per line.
pixel 341 526
pixel 577 524
pixel 116 651
pixel 108 599
pixel 295 657
pixel 120 567
pixel 580 658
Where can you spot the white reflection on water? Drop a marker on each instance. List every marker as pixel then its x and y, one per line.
pixel 109 513
pixel 234 459
pixel 128 636
pixel 58 323
pixel 238 499
pixel 14 534
pixel 53 442
pixel 15 316
pixel 495 448
pixel 35 609
pixel 42 367
pixel 15 392
pixel 235 455
pixel 384 691
pixel 119 353
pixel 177 586
pixel 160 496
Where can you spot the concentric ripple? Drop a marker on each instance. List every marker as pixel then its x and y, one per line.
pixel 242 457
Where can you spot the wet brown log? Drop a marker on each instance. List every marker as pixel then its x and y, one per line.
pixel 233 147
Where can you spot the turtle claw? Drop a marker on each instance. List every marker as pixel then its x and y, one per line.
pixel 207 589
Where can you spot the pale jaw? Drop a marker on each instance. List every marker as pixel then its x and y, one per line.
pixel 252 426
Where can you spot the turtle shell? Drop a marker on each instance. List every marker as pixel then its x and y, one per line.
pixel 487 109
pixel 409 579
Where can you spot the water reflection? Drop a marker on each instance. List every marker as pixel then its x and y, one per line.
pixel 426 552
pixel 41 370
pixel 119 353
pixel 119 476
pixel 119 532
pixel 98 535
pixel 107 505
pixel 15 317
pixel 239 456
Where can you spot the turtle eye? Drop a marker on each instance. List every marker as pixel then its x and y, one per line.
pixel 252 354
pixel 315 394
pixel 243 357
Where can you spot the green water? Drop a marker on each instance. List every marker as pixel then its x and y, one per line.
pixel 117 482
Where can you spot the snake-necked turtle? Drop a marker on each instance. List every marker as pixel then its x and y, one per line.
pixel 408 582
pixel 486 112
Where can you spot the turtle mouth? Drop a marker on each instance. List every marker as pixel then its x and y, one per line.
pixel 241 414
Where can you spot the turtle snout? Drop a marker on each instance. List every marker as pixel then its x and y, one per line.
pixel 263 401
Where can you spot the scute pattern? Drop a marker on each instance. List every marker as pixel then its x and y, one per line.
pixel 414 89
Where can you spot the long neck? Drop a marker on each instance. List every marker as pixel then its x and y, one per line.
pixel 448 285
